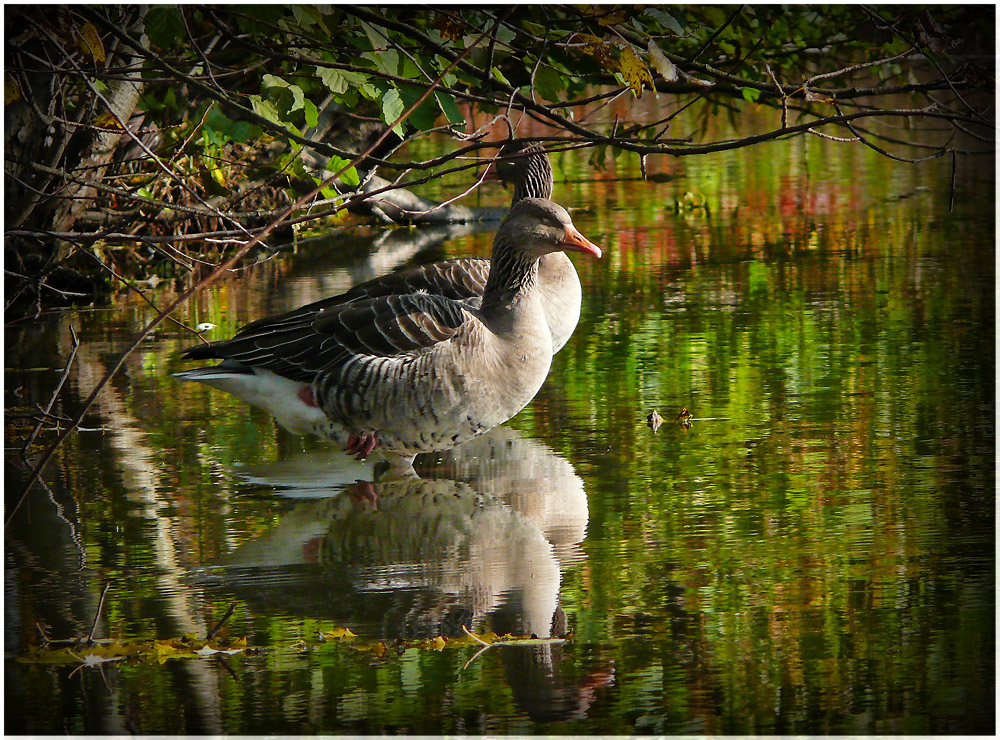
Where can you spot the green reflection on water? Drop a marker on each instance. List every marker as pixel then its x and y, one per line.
pixel 814 554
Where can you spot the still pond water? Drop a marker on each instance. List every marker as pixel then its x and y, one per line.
pixel 813 553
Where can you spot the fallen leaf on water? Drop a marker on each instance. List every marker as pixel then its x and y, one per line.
pixel 339 633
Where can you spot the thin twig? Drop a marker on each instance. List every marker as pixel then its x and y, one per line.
pixel 218 625
pixel 55 393
pixel 882 151
pixel 97 616
pixel 856 67
pixel 954 168
pixel 784 97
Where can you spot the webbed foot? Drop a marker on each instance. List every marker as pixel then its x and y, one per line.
pixel 361 446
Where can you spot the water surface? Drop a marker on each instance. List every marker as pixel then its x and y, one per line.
pixel 812 553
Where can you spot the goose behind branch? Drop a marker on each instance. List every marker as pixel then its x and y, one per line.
pixel 410 372
pixel 526 167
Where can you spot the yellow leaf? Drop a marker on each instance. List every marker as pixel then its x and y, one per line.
pixel 218 176
pixel 11 90
pixel 634 71
pixel 114 650
pixel 106 120
pixel 90 42
pixel 438 643
pixel 164 650
pixel 600 50
pixel 339 633
pixel 379 649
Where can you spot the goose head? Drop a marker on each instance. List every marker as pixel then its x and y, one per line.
pixel 536 227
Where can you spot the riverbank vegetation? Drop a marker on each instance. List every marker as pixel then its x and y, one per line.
pixel 151 143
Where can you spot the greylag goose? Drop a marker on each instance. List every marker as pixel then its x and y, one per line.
pixel 464 279
pixel 409 372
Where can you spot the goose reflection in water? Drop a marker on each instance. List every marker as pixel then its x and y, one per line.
pixel 479 541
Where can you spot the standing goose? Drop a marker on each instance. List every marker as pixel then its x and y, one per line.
pixel 558 283
pixel 407 372
pixel 464 279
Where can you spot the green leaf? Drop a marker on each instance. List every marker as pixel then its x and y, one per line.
pixel 534 28
pixel 170 99
pixel 386 61
pixel 450 108
pixel 164 26
pixel 750 94
pixel 392 108
pixel 549 83
pixel 298 97
pixel 375 38
pixel 497 74
pixel 349 176
pixel 310 112
pixel 340 80
pixel 714 15
pixel 306 15
pixel 267 109
pixel 665 19
pixel 426 113
pixel 221 128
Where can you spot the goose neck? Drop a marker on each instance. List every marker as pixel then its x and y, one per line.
pixel 513 275
pixel 536 181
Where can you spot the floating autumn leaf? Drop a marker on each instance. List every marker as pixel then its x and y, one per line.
pixel 435 643
pixel 206 651
pixel 164 650
pixel 103 651
pixel 634 71
pixel 340 633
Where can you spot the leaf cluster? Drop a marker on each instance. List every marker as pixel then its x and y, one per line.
pixel 243 109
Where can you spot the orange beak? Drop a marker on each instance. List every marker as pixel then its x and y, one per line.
pixel 574 241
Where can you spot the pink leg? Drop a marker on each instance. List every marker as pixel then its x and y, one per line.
pixel 361 446
pixel 362 493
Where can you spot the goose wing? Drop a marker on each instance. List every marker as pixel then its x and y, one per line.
pixel 300 345
pixel 459 279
